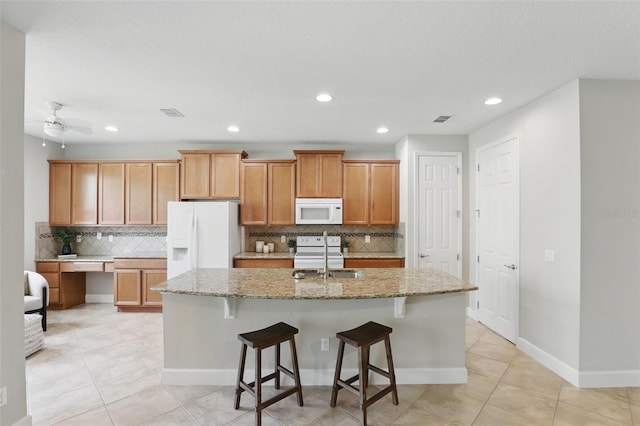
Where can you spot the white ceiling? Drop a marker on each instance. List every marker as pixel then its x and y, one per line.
pixel 259 65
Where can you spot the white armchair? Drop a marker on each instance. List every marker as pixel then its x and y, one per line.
pixel 38 298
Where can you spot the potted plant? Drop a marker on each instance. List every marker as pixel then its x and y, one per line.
pixel 345 246
pixel 292 245
pixel 64 235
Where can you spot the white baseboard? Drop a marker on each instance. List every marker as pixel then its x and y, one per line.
pixel 98 298
pixel 404 376
pixel 472 313
pixel 581 379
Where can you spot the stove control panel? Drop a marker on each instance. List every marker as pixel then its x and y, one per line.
pixel 317 241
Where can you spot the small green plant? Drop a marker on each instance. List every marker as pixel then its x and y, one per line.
pixel 291 243
pixel 346 244
pixel 64 235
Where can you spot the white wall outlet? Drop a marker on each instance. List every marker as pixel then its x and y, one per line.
pixel 367 238
pixel 283 238
pixel 3 396
pixel 324 344
pixel 110 238
pixel 550 256
pixel 98 235
pixel 78 238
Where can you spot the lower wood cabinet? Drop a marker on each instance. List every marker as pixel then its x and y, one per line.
pixel 133 279
pixel 374 263
pixel 67 285
pixel 263 263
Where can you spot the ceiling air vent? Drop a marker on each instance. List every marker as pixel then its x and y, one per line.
pixel 442 119
pixel 171 112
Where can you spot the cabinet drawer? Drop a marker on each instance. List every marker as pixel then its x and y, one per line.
pixel 140 264
pixel 81 267
pixel 47 267
pixel 263 263
pixel 53 278
pixel 374 263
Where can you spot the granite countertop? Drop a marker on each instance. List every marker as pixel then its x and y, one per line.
pixel 109 258
pixel 350 255
pixel 278 283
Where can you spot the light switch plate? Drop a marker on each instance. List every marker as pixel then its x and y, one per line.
pixel 78 238
pixel 110 238
pixel 324 344
pixel 283 238
pixel 98 235
pixel 367 238
pixel 550 256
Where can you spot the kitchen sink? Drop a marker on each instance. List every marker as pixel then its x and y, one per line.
pixel 318 273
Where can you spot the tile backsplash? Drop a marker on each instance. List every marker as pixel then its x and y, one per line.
pixel 383 238
pixel 126 239
pixel 129 239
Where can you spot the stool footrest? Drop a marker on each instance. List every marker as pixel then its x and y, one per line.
pixel 377 396
pixel 378 370
pixel 277 398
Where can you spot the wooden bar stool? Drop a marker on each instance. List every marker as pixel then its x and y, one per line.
pixel 363 338
pixel 259 340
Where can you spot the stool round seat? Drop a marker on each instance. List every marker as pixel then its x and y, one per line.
pixel 362 338
pixel 259 340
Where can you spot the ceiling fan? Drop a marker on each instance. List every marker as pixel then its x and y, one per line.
pixel 55 126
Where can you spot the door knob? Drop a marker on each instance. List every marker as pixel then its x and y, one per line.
pixel 512 266
pixel 424 255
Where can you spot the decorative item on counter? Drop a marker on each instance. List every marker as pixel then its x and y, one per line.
pixel 66 236
pixel 292 245
pixel 272 247
pixel 265 248
pixel 259 246
pixel 345 246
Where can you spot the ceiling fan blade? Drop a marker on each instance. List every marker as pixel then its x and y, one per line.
pixel 79 129
pixel 74 122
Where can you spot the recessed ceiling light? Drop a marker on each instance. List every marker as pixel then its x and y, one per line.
pixel 382 130
pixel 492 101
pixel 324 97
pixel 111 128
pixel 233 129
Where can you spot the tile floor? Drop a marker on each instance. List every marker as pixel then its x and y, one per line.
pixel 100 367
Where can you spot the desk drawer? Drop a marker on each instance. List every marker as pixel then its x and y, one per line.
pixel 81 266
pixel 140 264
pixel 47 267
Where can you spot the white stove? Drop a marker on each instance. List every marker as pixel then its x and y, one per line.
pixel 310 252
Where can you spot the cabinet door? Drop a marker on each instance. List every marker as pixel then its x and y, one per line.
pixel 111 194
pixel 355 199
pixel 60 193
pixel 282 193
pixel 166 187
pixel 150 278
pixel 384 194
pixel 330 176
pixel 127 287
pixel 84 193
pixel 253 183
pixel 196 172
pixel 225 175
pixel 138 193
pixel 308 174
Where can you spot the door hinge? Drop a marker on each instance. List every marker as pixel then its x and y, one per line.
pixel 477 304
pixel 478 259
pixel 478 212
pixel 458 257
pixel 458 214
pixel 478 166
pixel 457 170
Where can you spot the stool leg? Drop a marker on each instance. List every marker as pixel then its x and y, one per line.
pixel 243 356
pixel 392 374
pixel 277 378
pixel 362 379
pixel 258 386
pixel 336 387
pixel 296 371
pixel 365 362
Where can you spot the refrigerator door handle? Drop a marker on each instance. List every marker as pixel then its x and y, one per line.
pixel 194 241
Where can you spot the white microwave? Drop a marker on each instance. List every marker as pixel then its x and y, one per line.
pixel 318 211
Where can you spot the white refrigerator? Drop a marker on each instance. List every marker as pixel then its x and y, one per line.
pixel 201 234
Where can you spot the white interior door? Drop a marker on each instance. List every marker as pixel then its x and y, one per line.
pixel 498 236
pixel 439 212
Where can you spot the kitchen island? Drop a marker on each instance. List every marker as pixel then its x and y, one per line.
pixel 205 309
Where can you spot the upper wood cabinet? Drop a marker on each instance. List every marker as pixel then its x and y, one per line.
pixel 371 192
pixel 84 193
pixel 166 187
pixel 112 193
pixel 267 192
pixel 59 193
pixel 319 174
pixel 210 174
